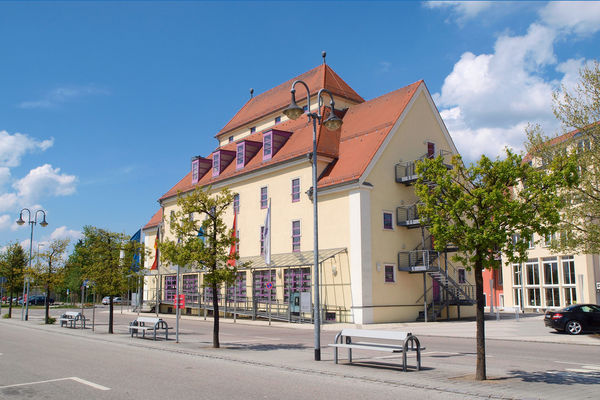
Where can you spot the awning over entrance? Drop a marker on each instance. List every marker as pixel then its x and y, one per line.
pixel 286 260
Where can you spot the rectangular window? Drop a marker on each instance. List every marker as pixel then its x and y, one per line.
pixel 295 190
pixel 388 220
pixel 267 146
pixel 263 197
pixel 239 158
pixel 548 239
pixel 261 291
pixel 390 273
pixel 430 150
pixel 190 288
pixel 236 203
pixel 550 271
pixel 195 172
pixel 296 280
pixel 552 297
pixel 215 164
pixel 517 297
pixel 515 239
pixel 568 264
pixel 295 236
pixel 230 139
pixel 237 291
pixel 533 273
pixel 533 296
pixel 170 287
pixel 253 129
pixel 237 243
pixel 262 240
pixel 516 274
pixel 531 242
pixel 462 277
pixel 277 120
pixel 570 296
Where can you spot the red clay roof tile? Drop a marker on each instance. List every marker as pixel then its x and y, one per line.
pixel 155 220
pixel 279 97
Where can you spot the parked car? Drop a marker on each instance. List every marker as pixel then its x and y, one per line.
pixel 39 300
pixel 574 319
pixel 106 300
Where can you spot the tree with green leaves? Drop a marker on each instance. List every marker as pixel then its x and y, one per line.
pixel 212 253
pixel 13 262
pixel 50 270
pixel 106 259
pixel 481 207
pixel 578 110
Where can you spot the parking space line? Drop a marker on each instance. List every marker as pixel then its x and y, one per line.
pixel 73 378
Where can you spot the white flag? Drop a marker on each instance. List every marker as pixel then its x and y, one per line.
pixel 267 235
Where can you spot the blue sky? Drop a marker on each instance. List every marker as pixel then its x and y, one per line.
pixel 102 104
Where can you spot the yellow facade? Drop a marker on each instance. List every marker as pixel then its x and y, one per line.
pixel 353 287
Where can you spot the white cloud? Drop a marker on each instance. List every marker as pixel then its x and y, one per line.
pixel 5 221
pixel 64 233
pixel 461 10
pixel 4 176
pixel 62 95
pixel 384 66
pixel 14 147
pixel 579 17
pixel 45 181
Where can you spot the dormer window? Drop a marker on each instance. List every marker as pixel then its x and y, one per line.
pixel 245 150
pixel 200 166
pixel 194 172
pixel 273 140
pixel 221 159
pixel 239 163
pixel 267 145
pixel 216 162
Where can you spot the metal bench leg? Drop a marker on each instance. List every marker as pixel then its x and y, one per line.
pixel 349 355
pixel 404 361
pixel 418 358
pixel 335 355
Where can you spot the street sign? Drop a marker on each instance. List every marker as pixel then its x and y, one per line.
pixel 179 303
pixel 269 285
pixel 85 283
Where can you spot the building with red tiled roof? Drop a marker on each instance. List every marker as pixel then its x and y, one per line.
pixel 366 247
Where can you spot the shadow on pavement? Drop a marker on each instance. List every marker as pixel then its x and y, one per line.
pixel 558 377
pixel 266 347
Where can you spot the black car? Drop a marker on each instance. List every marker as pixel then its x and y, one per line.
pixel 39 300
pixel 574 319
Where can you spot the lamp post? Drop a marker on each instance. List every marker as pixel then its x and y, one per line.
pixel 294 111
pixel 33 222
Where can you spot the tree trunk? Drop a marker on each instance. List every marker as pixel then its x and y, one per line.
pixel 480 371
pixel 10 305
pixel 216 344
pixel 110 315
pixel 47 319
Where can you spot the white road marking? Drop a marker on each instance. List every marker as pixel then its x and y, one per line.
pixel 579 370
pixel 567 362
pixel 592 367
pixel 73 378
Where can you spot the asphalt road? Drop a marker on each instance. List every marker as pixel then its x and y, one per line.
pixel 39 365
pixel 258 361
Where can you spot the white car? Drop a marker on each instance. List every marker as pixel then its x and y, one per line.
pixel 116 300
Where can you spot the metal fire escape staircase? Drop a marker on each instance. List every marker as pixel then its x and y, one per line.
pixel 424 259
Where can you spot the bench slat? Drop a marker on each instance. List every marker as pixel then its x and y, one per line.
pixel 368 347
pixel 376 334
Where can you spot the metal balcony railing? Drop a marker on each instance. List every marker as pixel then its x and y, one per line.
pixel 417 260
pixel 407 216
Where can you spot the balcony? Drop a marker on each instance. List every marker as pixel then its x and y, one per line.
pixel 408 216
pixel 406 172
pixel 417 260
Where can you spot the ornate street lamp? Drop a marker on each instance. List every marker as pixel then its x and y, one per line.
pixel 32 222
pixel 294 111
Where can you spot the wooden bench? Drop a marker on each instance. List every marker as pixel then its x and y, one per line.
pixel 144 324
pixel 392 342
pixel 70 319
